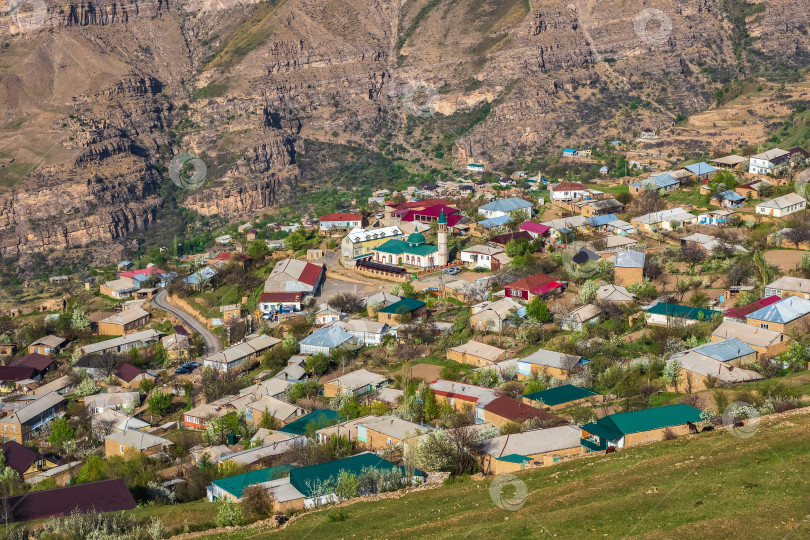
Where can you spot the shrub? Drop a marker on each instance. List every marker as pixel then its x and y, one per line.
pixel 257 502
pixel 229 515
pixel 669 435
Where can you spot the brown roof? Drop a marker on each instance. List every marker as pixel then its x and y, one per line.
pixel 503 239
pixel 33 360
pixel 126 372
pixel 567 186
pixel 105 496
pixel 18 456
pixel 514 410
pixel 16 373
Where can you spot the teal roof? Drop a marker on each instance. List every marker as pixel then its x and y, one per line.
pixel 320 418
pixel 561 394
pixel 686 312
pixel 409 304
pixel 236 485
pixel 397 247
pixel 304 478
pixel 614 426
pixel 442 218
pixel 515 458
pixel 416 238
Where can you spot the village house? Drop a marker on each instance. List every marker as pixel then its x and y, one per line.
pixel 729 162
pixel 25 461
pixel 131 442
pixel 240 354
pixel 710 244
pixel 562 396
pixel 369 333
pixel 131 376
pixel 728 199
pixel 755 190
pixel 581 316
pixel 782 316
pixel 531 286
pixel 567 191
pixel 357 383
pixel 768 162
pixel 137 340
pixel 664 183
pixel 700 172
pixel 461 396
pixel 98 403
pixel 787 286
pixel 663 314
pixel 283 302
pixel 123 322
pixel 326 340
pixel 665 219
pixel 110 421
pixel 327 315
pixel 360 243
pixel 93 497
pixel 119 289
pixel 552 363
pixel 782 206
pixel 281 412
pixel 536 230
pixel 505 207
pixel 177 346
pixel 380 433
pixel 232 488
pixel 61 386
pixel 199 417
pixel 17 378
pixel 407 309
pixel 627 429
pixel 379 300
pixel 7 349
pixel 493 316
pixel 230 312
pixel 767 343
pixel 648 133
pixel 23 424
pixel 39 363
pixel 628 269
pixel 475 353
pixel 563 229
pixel 715 217
pixel 697 370
pixel 47 345
pixel 533 448
pixel 504 410
pixel 292 275
pixel 481 257
pixel 615 294
pixel 340 221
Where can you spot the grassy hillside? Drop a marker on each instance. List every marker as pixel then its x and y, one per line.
pixel 710 486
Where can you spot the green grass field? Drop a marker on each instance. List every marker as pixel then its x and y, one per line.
pixel 713 485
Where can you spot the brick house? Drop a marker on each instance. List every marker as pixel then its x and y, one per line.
pixel 123 322
pixel 629 267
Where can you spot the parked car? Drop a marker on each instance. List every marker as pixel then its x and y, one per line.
pixel 187 368
pixel 453 270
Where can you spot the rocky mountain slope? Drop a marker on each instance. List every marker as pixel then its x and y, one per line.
pixel 97 97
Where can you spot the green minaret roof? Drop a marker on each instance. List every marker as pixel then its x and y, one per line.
pixel 442 218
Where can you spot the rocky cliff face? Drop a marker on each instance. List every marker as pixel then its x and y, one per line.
pixel 97 97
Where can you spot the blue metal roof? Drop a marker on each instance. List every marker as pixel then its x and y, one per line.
pixel 700 168
pixel 495 222
pixel 201 275
pixel 661 180
pixel 783 311
pixel 725 350
pixel 331 336
pixel 507 205
pixel 730 195
pixel 598 221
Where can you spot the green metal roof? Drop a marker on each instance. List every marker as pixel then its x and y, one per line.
pixel 561 394
pixel 304 478
pixel 236 485
pixel 515 458
pixel 397 247
pixel 321 418
pixel 686 312
pixel 409 304
pixel 614 426
pixel 416 238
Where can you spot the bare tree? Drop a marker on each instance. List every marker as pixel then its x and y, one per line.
pixel 692 252
pixel 648 201
pixel 569 363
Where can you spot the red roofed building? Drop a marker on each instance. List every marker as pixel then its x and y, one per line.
pixel 24 460
pixel 292 275
pixel 93 497
pixel 340 221
pixel 529 287
pixel 38 362
pixel 234 257
pixel 740 313
pixel 280 301
pixel 10 376
pixel 504 409
pixel 535 229
pixel 567 191
pixel 461 395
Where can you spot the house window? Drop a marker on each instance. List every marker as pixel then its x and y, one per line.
pixel 763 325
pixel 388 441
pixel 121 447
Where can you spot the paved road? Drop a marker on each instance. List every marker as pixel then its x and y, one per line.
pixel 212 342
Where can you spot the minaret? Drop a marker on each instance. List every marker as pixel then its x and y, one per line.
pixel 441 257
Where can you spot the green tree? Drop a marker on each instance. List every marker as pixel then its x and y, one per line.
pixel 79 320
pixel 516 247
pixel 61 432
pixel 188 390
pixel 431 406
pixel 295 240
pixel 258 250
pixel 317 363
pixel 537 310
pixel 159 402
pixel 588 291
